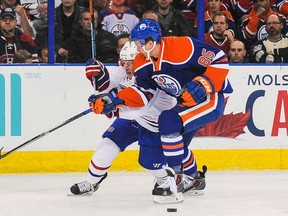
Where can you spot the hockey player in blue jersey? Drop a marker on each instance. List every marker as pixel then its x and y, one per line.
pixel 189 70
pixel 124 132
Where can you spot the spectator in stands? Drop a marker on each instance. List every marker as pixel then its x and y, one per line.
pixel 188 9
pixel 238 8
pixel 282 7
pixel 80 42
pixel 68 15
pixel 214 7
pixel 121 40
pixel 43 54
pixel 98 4
pixel 12 38
pixel 38 12
pixel 237 52
pixel 22 56
pixel 253 25
pixel 150 14
pixel 117 18
pixel 41 41
pixel 140 6
pixel 22 17
pixel 220 36
pixel 172 20
pixel 274 48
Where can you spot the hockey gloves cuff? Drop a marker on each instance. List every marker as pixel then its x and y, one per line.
pixel 97 73
pixel 195 91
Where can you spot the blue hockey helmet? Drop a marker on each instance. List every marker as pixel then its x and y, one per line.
pixel 144 29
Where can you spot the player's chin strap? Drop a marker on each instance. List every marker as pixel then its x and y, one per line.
pixel 148 51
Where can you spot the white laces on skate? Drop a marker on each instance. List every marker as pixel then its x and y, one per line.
pixel 167 182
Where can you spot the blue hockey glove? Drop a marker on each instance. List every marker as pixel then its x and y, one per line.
pixel 195 91
pixel 107 103
pixel 94 97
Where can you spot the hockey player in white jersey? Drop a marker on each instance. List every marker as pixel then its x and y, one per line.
pixel 145 129
pixel 122 132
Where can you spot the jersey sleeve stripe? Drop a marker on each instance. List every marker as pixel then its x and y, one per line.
pixel 199 110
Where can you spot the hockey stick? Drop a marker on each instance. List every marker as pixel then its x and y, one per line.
pixel 45 133
pixel 93 43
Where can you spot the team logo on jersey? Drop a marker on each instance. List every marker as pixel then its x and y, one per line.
pixel 120 29
pixel 262 33
pixel 168 84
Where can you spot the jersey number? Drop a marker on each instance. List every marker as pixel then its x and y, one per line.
pixel 206 58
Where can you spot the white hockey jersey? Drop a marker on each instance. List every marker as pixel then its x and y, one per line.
pixel 146 116
pixel 119 79
pixel 118 23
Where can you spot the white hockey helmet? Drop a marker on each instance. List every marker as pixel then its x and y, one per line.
pixel 129 51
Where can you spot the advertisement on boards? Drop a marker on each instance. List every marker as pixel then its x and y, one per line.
pixel 34 99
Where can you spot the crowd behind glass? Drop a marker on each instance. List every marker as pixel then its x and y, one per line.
pixel 248 31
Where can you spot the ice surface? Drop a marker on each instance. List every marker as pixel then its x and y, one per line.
pixel 263 193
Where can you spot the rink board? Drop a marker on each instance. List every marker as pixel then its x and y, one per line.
pixel 78 161
pixel 34 99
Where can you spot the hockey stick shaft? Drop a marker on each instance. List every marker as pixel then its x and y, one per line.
pixel 45 133
pixel 93 43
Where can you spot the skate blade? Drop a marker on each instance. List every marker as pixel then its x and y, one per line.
pixel 193 193
pixel 174 198
pixel 84 194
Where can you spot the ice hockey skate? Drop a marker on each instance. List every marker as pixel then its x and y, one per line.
pixel 165 190
pixel 192 186
pixel 85 188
